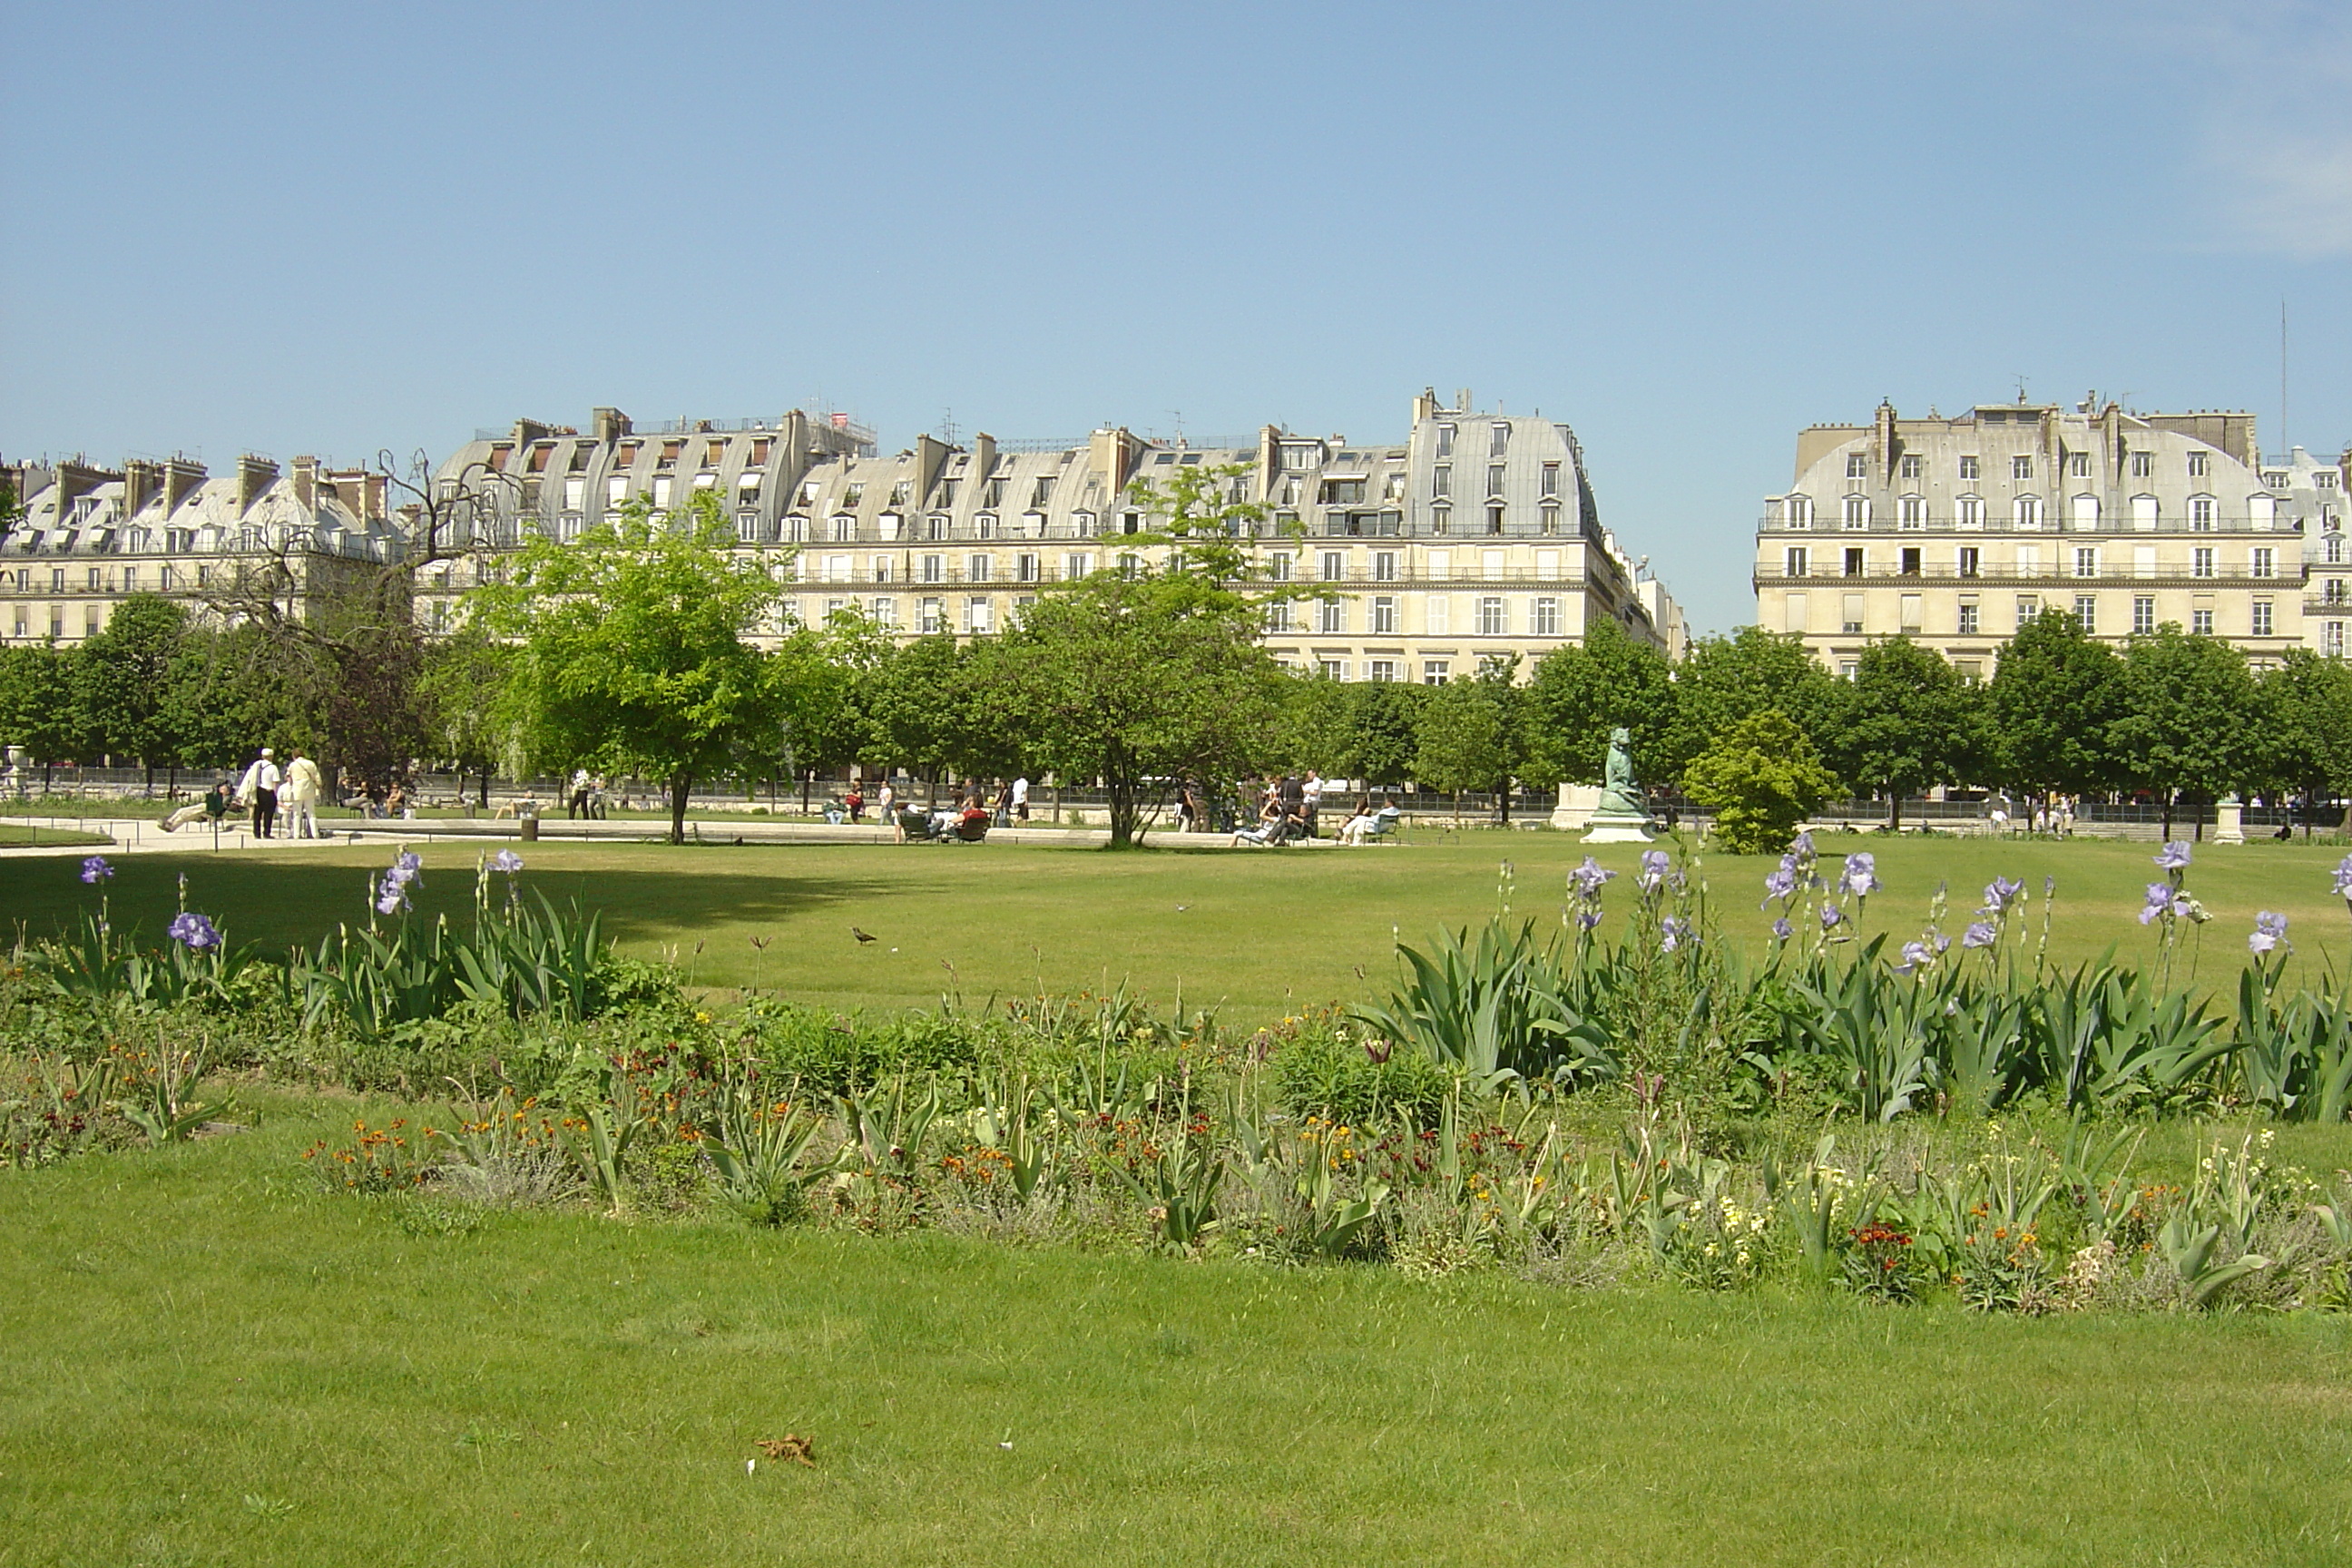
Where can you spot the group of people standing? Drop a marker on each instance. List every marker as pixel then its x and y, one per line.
pixel 264 789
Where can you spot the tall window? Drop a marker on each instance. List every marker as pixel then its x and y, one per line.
pixel 1384 565
pixel 1277 617
pixel 1334 617
pixel 1441 481
pixel 2199 464
pixel 928 619
pixel 1546 618
pixel 976 568
pixel 1446 440
pixel 2201 561
pixel 1437 614
pixel 2261 617
pixel 1797 560
pixel 2086 612
pixel 935 568
pixel 1494 618
pixel 2028 511
pixel 1384 616
pixel 1335 565
pixel 2028 606
pixel 1857 512
pixel 2331 639
pixel 1551 478
pixel 1909 467
pixel 2200 623
pixel 2260 561
pixel 2021 468
pixel 1915 511
pixel 2143 465
pixel 1800 511
pixel 1501 442
pixel 1969 469
pixel 1076 566
pixel 1967 626
pixel 1857 466
pixel 1854 563
pixel 1495 473
pixel 1971 511
pixel 2143 615
pixel 2200 512
pixel 2086 562
pixel 1970 563
pixel 1379 670
pixel 2078 464
pixel 975 616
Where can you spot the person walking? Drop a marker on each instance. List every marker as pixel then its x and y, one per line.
pixel 1311 797
pixel 300 796
pixel 1021 798
pixel 576 810
pixel 258 789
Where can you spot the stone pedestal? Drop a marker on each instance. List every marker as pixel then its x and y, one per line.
pixel 2229 820
pixel 1577 804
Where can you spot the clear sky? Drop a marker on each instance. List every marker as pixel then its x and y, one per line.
pixel 1686 229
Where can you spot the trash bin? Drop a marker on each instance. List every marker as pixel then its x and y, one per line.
pixel 529 826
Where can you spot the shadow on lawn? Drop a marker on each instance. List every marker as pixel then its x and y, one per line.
pixel 275 904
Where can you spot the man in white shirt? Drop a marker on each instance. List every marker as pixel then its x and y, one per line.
pixel 258 789
pixel 1312 794
pixel 1021 798
pixel 301 794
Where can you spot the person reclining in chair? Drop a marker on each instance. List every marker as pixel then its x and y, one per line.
pixel 1275 824
pixel 1367 824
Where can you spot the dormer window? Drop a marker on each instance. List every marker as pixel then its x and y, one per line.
pixel 1857 466
pixel 2198 463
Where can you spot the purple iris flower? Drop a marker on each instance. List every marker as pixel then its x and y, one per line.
pixel 1980 934
pixel 1673 929
pixel 1861 875
pixel 2343 879
pixel 194 931
pixel 1831 915
pixel 1588 920
pixel 2174 856
pixel 1803 847
pixel 2161 903
pixel 1779 884
pixel 508 861
pixel 1782 929
pixel 1588 877
pixel 2000 893
pixel 2270 930
pixel 1654 866
pixel 95 869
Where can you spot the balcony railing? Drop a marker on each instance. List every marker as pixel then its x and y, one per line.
pixel 2290 578
pixel 1830 522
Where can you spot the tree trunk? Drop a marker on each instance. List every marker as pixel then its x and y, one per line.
pixel 2167 830
pixel 1120 799
pixel 485 796
pixel 1894 811
pixel 1507 803
pixel 680 783
pixel 808 784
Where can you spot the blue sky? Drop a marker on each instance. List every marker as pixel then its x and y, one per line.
pixel 1687 229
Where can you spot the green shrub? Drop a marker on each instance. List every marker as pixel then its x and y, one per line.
pixel 1761 779
pixel 1324 1066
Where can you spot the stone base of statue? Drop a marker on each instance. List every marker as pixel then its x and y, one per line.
pixel 2229 820
pixel 1604 816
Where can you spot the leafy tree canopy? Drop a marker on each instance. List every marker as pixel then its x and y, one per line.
pixel 1579 691
pixel 2052 704
pixel 1760 778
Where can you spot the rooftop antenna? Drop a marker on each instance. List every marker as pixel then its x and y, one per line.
pixel 2021 384
pixel 948 426
pixel 1178 416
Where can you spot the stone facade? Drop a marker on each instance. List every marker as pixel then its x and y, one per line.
pixel 90 535
pixel 1956 530
pixel 1476 537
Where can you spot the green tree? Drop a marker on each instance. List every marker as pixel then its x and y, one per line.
pixel 123 680
pixel 2051 706
pixel 2305 705
pixel 1467 737
pixel 1579 691
pixel 633 650
pixel 933 707
pixel 1143 679
pixel 2186 730
pixel 1317 726
pixel 40 706
pixel 1909 722
pixel 1760 778
pixel 226 696
pixel 463 688
pixel 1385 738
pixel 824 678
pixel 1140 682
pixel 1722 680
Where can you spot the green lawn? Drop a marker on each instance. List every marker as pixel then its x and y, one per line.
pixel 24 836
pixel 1266 931
pixel 203 1360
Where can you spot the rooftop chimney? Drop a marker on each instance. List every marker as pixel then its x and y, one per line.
pixel 608 424
pixel 305 483
pixel 1462 400
pixel 180 477
pixel 142 482
pixel 255 474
